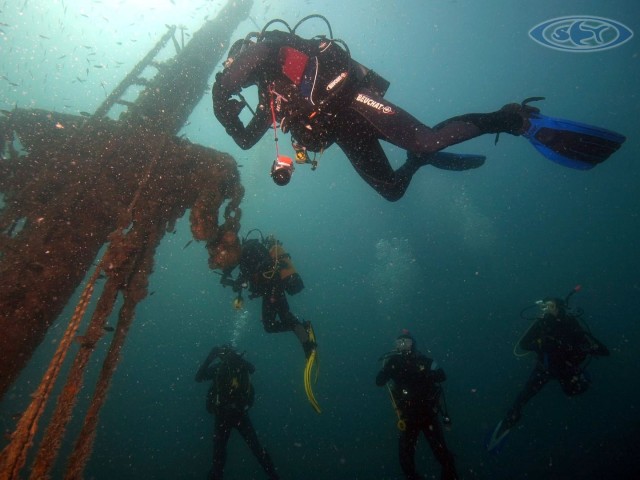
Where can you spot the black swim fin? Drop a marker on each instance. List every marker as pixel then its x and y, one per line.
pixel 449 161
pixel 498 437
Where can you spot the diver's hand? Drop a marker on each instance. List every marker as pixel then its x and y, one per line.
pixel 235 106
pixel 215 351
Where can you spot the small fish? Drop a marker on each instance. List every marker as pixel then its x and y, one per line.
pixel 188 243
pixel 108 328
pixel 86 114
pixel 44 36
pixel 152 293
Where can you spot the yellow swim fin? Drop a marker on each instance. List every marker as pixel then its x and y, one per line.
pixel 308 370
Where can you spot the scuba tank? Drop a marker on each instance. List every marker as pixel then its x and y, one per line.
pixel 283 266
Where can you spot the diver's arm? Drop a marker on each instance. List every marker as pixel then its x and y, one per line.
pixel 532 340
pixel 596 347
pixel 437 375
pixel 382 378
pixel 248 366
pixel 204 372
pixel 230 82
pixel 385 374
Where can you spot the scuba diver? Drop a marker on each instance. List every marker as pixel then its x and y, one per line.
pixel 229 398
pixel 417 397
pixel 267 271
pixel 563 348
pixel 313 89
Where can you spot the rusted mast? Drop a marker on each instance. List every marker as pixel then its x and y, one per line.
pixel 66 196
pixel 88 182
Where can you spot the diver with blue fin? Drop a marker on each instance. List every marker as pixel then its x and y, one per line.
pixel 312 89
pixel 563 347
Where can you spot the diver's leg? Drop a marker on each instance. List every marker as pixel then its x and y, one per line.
pixel 538 379
pixel 302 331
pixel 245 427
pixel 221 433
pixel 435 436
pixel 395 125
pixel 269 314
pixel 291 322
pixel 272 307
pixel 407 450
pixel 277 318
pixel 368 158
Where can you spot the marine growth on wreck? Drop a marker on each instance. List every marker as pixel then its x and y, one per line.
pixel 89 198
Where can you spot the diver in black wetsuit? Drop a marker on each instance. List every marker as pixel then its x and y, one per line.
pixel 416 393
pixel 267 270
pixel 316 91
pixel 229 399
pixel 562 347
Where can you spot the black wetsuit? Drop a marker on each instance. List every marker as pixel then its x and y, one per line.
pixel 276 313
pixel 341 106
pixel 562 346
pixel 229 415
pixel 416 391
pixel 257 269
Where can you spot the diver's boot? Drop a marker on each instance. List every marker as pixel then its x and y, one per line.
pixel 309 347
pixel 306 337
pixel 513 417
pixel 310 344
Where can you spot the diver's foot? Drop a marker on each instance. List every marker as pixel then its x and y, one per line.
pixel 309 347
pixel 509 421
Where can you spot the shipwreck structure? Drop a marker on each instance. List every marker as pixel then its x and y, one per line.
pixel 91 200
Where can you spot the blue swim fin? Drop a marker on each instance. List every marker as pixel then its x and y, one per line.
pixel 497 438
pixel 572 144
